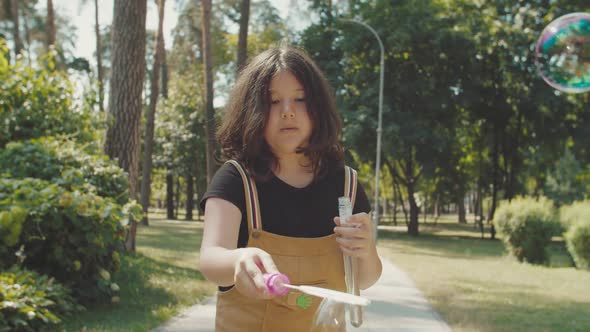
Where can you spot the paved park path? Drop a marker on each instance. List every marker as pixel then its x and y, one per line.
pixel 396 305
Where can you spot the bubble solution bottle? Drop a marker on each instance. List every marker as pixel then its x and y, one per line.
pixel 275 283
pixel 350 265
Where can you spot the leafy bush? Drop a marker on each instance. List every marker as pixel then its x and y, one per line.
pixel 74 236
pixel 31 302
pixel 11 225
pixel 36 102
pixel 526 226
pixel 570 214
pixel 576 219
pixel 62 162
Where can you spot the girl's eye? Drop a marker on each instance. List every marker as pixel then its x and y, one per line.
pixel 302 99
pixel 274 101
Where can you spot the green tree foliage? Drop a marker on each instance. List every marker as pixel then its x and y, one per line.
pixel 464 106
pixel 564 183
pixel 36 102
pixel 424 60
pixel 265 29
pixel 179 130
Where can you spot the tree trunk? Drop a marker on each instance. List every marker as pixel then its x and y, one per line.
pixel 401 202
pixel 424 209
pixel 177 201
pixel 190 199
pixel 50 25
pixel 169 194
pixel 436 209
pixel 494 177
pixel 125 100
pixel 514 162
pixel 394 201
pixel 461 207
pixel 414 211
pixel 18 43
pixel 27 36
pixel 208 67
pixel 243 37
pixel 164 68
pixel 98 59
pixel 200 186
pixel 151 116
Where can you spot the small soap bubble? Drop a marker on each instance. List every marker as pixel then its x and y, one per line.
pixel 330 317
pixel 563 53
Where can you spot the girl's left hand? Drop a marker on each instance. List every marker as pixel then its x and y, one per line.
pixel 356 236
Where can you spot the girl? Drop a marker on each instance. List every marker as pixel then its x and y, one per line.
pixel 273 206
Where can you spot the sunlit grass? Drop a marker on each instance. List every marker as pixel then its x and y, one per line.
pixel 156 283
pixel 476 286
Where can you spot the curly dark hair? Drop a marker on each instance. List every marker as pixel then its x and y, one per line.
pixel 241 134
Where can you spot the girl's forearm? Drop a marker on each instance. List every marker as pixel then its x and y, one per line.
pixel 217 264
pixel 369 269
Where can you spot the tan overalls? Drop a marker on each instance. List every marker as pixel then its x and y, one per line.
pixel 308 261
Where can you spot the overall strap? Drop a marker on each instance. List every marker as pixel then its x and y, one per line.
pixel 350 184
pixel 251 194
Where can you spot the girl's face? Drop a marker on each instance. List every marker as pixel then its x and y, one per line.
pixel 288 126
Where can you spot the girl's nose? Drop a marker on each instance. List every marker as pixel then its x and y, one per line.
pixel 288 114
pixel 288 111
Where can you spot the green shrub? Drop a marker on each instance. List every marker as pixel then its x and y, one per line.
pixel 11 225
pixel 36 102
pixel 526 226
pixel 73 236
pixel 62 162
pixel 32 302
pixel 571 214
pixel 576 220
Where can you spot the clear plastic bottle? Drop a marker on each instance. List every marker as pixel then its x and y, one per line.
pixel 350 265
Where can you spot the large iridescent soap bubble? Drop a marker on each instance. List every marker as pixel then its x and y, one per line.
pixel 563 53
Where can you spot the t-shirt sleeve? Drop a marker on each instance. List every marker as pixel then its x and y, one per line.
pixel 361 203
pixel 226 184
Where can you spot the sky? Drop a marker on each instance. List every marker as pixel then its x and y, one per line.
pixel 82 17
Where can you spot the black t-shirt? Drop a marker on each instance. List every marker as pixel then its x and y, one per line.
pixel 284 209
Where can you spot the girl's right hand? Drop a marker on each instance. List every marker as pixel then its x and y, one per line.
pixel 250 266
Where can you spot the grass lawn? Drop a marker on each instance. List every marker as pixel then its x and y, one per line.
pixel 476 286
pixel 472 282
pixel 156 283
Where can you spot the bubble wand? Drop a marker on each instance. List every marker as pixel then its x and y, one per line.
pixel 279 284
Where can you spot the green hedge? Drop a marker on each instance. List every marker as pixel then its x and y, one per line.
pixel 63 162
pixel 32 302
pixel 73 236
pixel 526 226
pixel 576 220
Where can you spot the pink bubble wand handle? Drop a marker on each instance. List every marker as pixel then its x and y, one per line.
pixel 276 282
pixel 279 284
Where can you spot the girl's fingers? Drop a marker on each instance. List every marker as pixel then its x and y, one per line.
pixel 245 284
pixel 267 264
pixel 352 244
